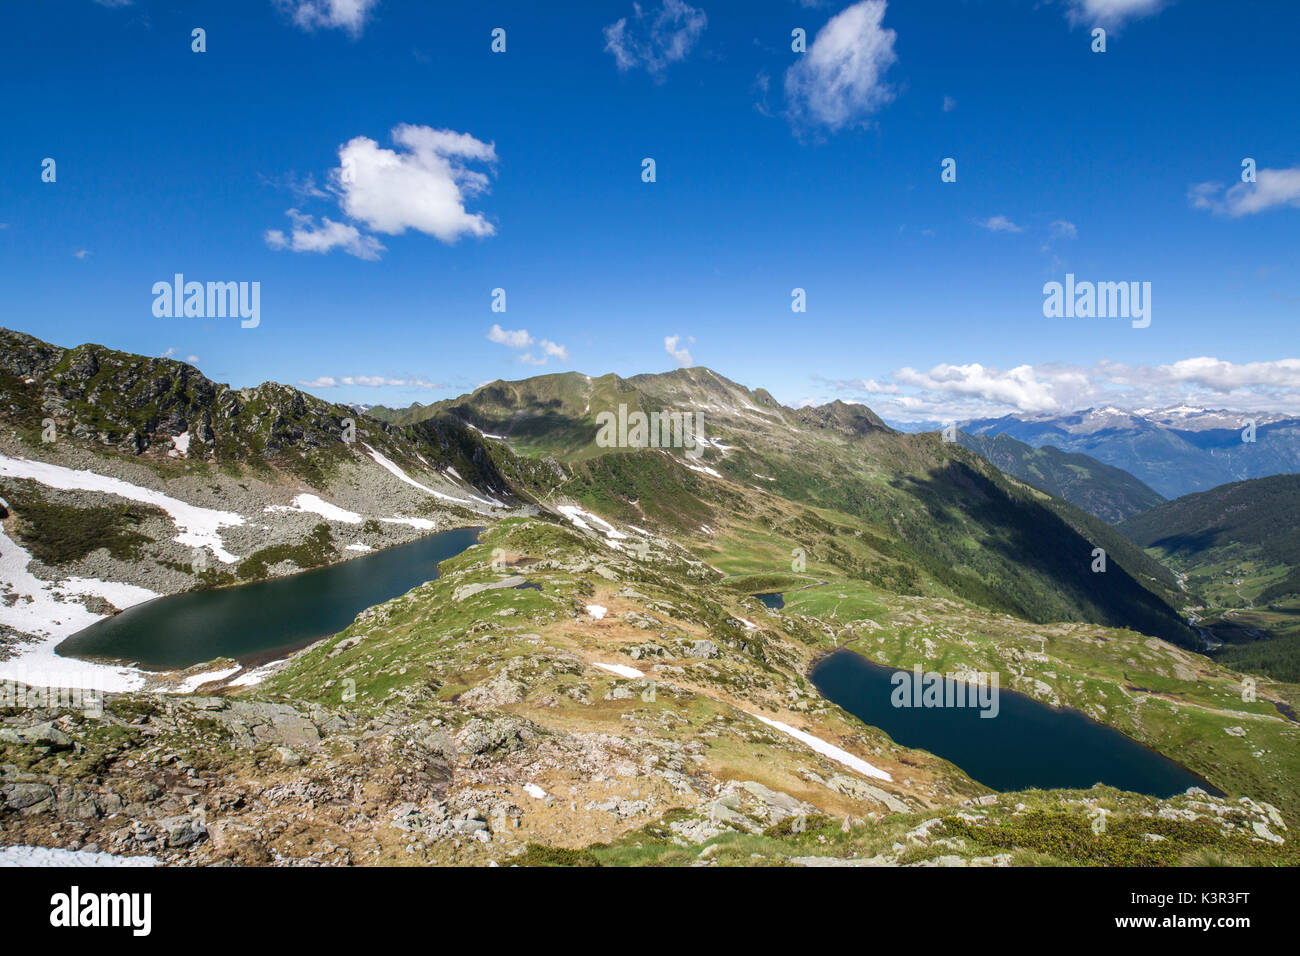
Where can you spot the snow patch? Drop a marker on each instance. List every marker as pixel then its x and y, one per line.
pixel 199 527
pixel 45 856
pixel 424 524
pixel 192 683
pixel 596 611
pixel 39 608
pixel 316 505
pixel 534 791
pixel 258 675
pixel 358 546
pixel 622 670
pixel 825 749
pixel 397 472
pixel 580 519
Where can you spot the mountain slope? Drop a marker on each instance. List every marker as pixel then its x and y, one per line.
pixel 1239 548
pixel 908 512
pixel 1108 493
pixel 133 476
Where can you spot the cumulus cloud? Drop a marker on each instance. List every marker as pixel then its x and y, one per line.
pixel 1272 189
pixel 1111 14
pixel 306 236
pixel 839 82
pixel 522 339
pixel 946 391
pixel 1061 229
pixel 368 381
pixel 654 39
pixel 349 15
pixel 999 224
pixel 681 355
pixel 422 185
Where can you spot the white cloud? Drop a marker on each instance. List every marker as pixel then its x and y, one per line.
pixel 192 359
pixel 81 253
pixel 949 104
pixel 1272 189
pixel 681 355
pixel 522 339
pixel 349 15
pixel 516 339
pixel 947 392
pixel 114 3
pixel 838 82
pixel 423 186
pixel 653 39
pixel 307 237
pixel 999 224
pixel 1061 229
pixel 1110 14
pixel 368 381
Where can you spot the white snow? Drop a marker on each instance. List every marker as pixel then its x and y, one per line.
pixel 452 471
pixel 749 625
pixel 764 477
pixel 622 670
pixel 358 546
pixel 596 611
pixel 44 856
pixel 706 529
pixel 424 524
pixel 180 445
pixel 580 518
pixel 39 609
pixel 703 468
pixel 397 471
pixel 319 506
pixel 116 593
pixel 258 675
pixel 485 434
pixel 198 527
pixel 825 749
pixel 534 791
pixel 192 683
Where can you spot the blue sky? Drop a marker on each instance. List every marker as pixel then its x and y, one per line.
pixel 425 171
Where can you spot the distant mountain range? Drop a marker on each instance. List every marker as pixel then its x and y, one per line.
pixel 1175 451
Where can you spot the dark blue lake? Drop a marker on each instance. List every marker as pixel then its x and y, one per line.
pixel 774 601
pixel 1026 745
pixel 180 630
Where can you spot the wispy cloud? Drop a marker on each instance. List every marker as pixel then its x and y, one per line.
pixel 653 39
pixel 949 104
pixel 680 353
pixel 81 253
pixel 368 381
pixel 306 236
pixel 999 224
pixel 349 15
pixel 1111 14
pixel 839 82
pixel 1272 189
